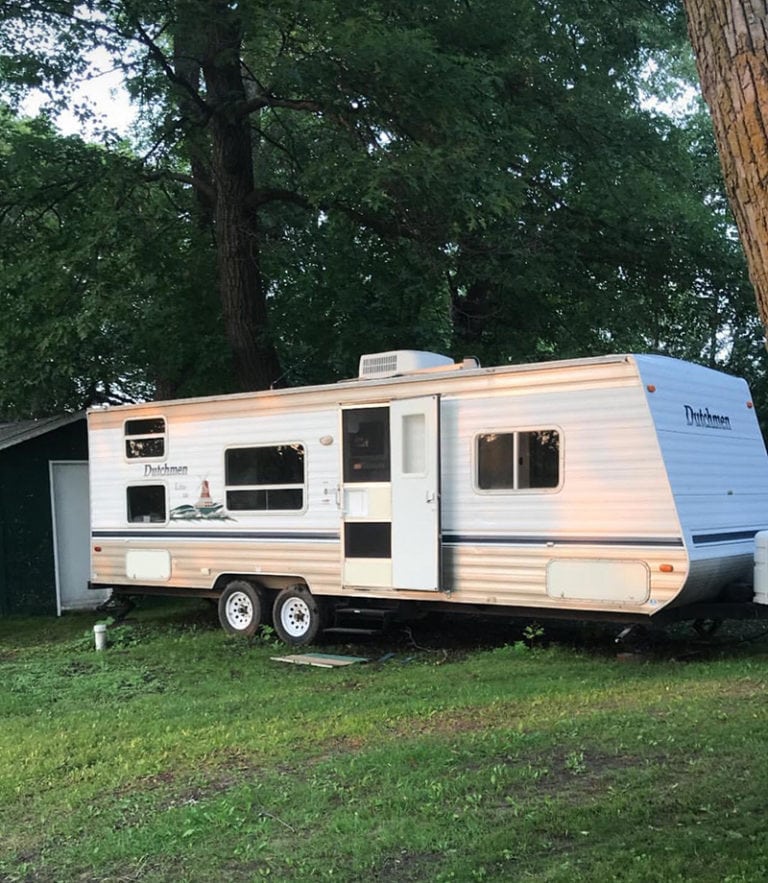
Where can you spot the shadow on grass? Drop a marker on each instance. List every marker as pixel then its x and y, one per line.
pixel 447 636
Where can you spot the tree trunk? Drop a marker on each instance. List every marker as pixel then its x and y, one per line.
pixel 241 284
pixel 188 48
pixel 731 46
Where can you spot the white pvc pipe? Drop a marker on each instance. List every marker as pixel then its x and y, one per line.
pixel 100 636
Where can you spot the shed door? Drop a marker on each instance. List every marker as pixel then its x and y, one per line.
pixel 71 536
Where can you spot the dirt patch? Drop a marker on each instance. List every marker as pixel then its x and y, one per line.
pixel 177 788
pixel 146 784
pixel 572 777
pixel 75 669
pixel 247 871
pixel 406 867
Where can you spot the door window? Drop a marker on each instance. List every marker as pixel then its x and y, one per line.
pixel 414 444
pixel 366 444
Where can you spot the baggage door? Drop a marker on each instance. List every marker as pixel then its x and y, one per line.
pixel 415 436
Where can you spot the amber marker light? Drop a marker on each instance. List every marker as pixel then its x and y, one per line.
pixel 666 568
pixel 651 388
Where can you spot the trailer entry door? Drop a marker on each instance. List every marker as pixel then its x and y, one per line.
pixel 415 432
pixel 391 495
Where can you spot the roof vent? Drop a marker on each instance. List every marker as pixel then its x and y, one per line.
pixel 400 362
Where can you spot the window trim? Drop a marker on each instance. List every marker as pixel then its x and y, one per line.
pixel 475 461
pixel 164 436
pixel 269 487
pixel 141 485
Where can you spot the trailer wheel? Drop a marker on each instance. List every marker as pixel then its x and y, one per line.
pixel 240 608
pixel 297 616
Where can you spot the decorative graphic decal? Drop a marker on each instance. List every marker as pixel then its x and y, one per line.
pixel 205 501
pixel 205 509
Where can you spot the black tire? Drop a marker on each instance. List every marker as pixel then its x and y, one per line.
pixel 297 616
pixel 240 608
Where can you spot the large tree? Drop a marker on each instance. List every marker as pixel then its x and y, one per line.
pixel 730 41
pixel 259 97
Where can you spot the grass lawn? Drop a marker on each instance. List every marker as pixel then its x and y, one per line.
pixel 180 754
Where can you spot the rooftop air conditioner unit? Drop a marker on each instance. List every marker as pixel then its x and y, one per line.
pixel 397 362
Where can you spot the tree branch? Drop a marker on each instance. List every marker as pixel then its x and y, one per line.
pixel 202 186
pixel 386 227
pixel 156 52
pixel 276 194
pixel 277 144
pixel 244 108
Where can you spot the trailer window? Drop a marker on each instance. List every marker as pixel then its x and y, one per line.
pixel 146 503
pixel 518 460
pixel 145 438
pixel 366 444
pixel 265 478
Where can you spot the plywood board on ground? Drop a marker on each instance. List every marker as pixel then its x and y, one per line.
pixel 319 660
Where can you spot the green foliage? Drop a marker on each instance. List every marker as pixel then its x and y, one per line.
pixel 97 279
pixel 484 178
pixel 555 218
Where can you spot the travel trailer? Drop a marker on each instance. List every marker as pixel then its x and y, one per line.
pixel 628 487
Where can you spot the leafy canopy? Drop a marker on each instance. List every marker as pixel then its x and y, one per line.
pixel 473 177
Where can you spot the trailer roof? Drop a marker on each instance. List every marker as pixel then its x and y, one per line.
pixel 456 370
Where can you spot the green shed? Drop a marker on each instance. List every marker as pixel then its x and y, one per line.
pixel 44 516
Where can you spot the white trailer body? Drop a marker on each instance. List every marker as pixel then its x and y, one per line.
pixel 620 485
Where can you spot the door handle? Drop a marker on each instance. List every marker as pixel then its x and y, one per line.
pixel 431 496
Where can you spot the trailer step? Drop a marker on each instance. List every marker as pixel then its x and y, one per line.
pixel 361 621
pixel 348 630
pixel 369 612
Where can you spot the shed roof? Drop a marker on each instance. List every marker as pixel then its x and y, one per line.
pixel 15 433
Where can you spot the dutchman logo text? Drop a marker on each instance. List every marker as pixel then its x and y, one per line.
pixel 164 469
pixel 703 417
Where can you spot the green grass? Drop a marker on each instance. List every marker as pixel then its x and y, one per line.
pixel 180 754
